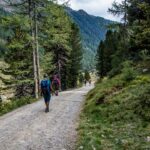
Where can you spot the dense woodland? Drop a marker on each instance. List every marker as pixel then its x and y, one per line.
pixel 125 41
pixel 38 37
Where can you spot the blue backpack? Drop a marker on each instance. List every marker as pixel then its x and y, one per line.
pixel 45 87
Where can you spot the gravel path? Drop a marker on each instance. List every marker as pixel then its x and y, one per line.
pixel 30 128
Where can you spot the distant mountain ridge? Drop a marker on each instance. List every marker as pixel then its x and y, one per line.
pixel 92 29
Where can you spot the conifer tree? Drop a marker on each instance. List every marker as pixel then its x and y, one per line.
pixel 75 57
pixel 140 18
pixel 57 31
pixel 28 8
pixel 120 9
pixel 19 53
pixel 3 34
pixel 100 59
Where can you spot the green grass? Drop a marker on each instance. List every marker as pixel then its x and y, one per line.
pixel 14 104
pixel 116 115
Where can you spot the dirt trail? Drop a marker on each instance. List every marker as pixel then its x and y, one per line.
pixel 30 128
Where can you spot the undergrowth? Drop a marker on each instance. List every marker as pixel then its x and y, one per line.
pixel 116 115
pixel 8 106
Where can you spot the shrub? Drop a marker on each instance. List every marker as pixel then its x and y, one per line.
pixel 15 103
pixel 128 72
pixel 143 105
pixel 114 72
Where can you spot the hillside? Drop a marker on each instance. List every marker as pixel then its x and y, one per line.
pixel 116 115
pixel 92 29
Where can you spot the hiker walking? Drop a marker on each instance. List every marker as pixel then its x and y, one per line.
pixel 56 84
pixel 46 89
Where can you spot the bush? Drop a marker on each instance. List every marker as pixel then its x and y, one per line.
pixel 143 105
pixel 15 103
pixel 128 72
pixel 120 120
pixel 114 72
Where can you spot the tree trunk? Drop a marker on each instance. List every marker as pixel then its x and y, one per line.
pixel 125 15
pixel 59 70
pixel 37 49
pixel 30 2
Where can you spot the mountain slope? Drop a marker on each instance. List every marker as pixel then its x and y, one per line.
pixel 92 29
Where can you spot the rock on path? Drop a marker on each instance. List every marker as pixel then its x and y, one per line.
pixel 30 128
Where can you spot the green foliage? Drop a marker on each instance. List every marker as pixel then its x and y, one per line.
pixel 75 58
pixel 3 34
pixel 87 76
pixel 120 9
pixel 100 59
pixel 46 63
pixel 62 40
pixel 128 41
pixel 109 54
pixel 116 115
pixel 128 72
pixel 94 31
pixel 60 49
pixel 141 37
pixel 19 53
pixel 81 79
pixel 144 55
pixel 15 103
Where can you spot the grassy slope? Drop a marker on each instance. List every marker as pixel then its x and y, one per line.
pixel 116 115
pixel 9 106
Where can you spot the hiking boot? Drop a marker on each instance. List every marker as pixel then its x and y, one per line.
pixel 46 110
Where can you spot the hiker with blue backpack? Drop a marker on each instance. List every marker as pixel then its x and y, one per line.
pixel 46 89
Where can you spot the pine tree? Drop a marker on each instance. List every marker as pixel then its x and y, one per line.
pixel 28 8
pixel 75 57
pixel 3 34
pixel 40 26
pixel 33 9
pixel 109 50
pixel 57 30
pixel 120 9
pixel 100 59
pixel 136 35
pixel 19 53
pixel 140 19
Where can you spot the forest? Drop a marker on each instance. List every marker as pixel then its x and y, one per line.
pixel 37 37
